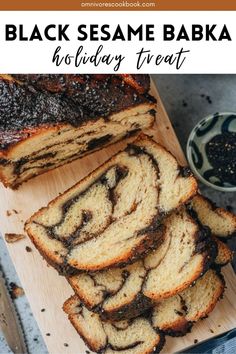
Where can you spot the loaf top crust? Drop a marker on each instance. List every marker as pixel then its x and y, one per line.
pixel 41 101
pixel 68 83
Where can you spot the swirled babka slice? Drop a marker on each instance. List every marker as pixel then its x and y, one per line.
pixel 137 336
pixel 186 252
pixel 113 216
pixel 144 334
pixel 221 222
pixel 176 315
pixel 49 120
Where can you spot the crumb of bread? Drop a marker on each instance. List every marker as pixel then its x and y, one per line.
pixel 10 212
pixel 16 291
pixel 11 237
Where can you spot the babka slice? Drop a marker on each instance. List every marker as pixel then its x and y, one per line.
pixel 186 252
pixel 136 336
pixel 127 292
pixel 113 216
pixel 221 222
pixel 49 120
pixel 174 316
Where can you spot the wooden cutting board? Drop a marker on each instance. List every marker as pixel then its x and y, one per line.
pixel 47 290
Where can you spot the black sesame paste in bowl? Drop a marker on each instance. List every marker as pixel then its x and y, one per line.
pixel 221 154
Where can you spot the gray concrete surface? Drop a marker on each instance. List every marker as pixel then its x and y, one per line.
pixel 187 98
pixel 33 336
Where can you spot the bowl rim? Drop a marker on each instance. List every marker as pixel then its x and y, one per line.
pixel 189 155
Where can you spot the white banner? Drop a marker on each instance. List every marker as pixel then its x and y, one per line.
pixel 112 42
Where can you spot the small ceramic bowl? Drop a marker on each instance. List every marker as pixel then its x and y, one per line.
pixel 207 152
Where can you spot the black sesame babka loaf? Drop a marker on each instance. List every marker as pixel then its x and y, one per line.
pixel 49 120
pixel 145 334
pixel 113 216
pixel 179 261
pixel 186 252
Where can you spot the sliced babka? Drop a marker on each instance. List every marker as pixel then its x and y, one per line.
pixel 128 291
pixel 49 120
pixel 176 315
pixel 142 335
pixel 186 252
pixel 113 216
pixel 137 336
pixel 221 222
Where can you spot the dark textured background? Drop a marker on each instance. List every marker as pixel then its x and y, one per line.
pixel 187 98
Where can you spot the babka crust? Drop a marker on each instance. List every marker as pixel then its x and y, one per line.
pixel 24 110
pixel 69 83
